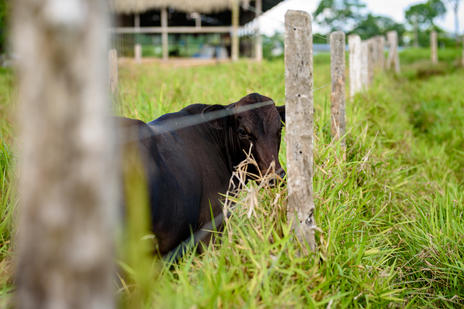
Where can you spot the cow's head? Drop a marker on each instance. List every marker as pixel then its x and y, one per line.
pixel 257 123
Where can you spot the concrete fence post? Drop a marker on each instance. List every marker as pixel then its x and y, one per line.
pixel 371 60
pixel 113 70
pixel 380 42
pixel 67 172
pixel 393 61
pixel 364 65
pixel 299 123
pixel 354 44
pixel 374 53
pixel 434 47
pixel 337 67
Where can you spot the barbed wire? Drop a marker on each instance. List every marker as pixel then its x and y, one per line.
pixel 170 125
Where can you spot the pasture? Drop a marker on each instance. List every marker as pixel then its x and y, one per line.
pixel 391 216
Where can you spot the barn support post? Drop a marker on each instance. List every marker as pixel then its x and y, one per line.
pixel 434 47
pixel 235 24
pixel 164 33
pixel 354 45
pixel 138 53
pixel 137 47
pixel 337 98
pixel 393 61
pixel 259 39
pixel 364 65
pixel 113 70
pixel 67 170
pixel 299 123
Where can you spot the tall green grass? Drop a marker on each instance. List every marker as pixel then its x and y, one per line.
pixel 390 216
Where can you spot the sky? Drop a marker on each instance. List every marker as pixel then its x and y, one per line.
pixel 273 19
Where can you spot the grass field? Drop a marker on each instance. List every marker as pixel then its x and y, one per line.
pixel 391 216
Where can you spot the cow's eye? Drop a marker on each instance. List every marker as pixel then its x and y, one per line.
pixel 242 132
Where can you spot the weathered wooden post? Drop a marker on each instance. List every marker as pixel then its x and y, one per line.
pixel 393 61
pixel 66 166
pixel 337 98
pixel 354 44
pixel 364 65
pixel 434 47
pixel 299 123
pixel 113 70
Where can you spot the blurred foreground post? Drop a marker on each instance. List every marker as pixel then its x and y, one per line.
pixel 299 123
pixel 337 98
pixel 393 61
pixel 113 70
pixel 67 174
pixel 434 47
pixel 354 43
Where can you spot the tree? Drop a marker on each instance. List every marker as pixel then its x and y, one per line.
pixel 373 25
pixel 339 14
pixel 422 15
pixel 455 6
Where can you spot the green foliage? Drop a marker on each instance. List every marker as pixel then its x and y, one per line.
pixel 339 14
pixel 3 24
pixel 349 16
pixel 273 45
pixel 373 25
pixel 390 216
pixel 422 16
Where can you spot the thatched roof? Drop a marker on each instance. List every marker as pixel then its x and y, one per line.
pixel 201 6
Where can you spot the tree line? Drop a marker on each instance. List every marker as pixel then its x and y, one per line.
pixel 351 16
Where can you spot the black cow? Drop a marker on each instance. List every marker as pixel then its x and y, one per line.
pixel 189 157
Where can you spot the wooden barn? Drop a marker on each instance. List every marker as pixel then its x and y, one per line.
pixel 213 28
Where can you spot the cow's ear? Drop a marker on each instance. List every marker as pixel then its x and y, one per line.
pixel 281 110
pixel 216 116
